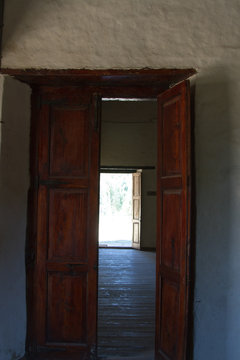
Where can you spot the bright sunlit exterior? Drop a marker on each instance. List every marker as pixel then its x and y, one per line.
pixel 115 215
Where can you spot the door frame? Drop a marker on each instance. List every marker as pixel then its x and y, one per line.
pixel 143 83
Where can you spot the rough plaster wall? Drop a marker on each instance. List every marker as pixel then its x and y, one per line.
pixel 217 294
pixel 159 34
pixel 14 165
pixel 136 33
pixel 129 138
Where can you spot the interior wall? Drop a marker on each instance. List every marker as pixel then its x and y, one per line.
pixel 14 182
pixel 129 138
pixel 136 34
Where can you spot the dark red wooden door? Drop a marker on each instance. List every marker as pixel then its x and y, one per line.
pixel 173 223
pixel 67 223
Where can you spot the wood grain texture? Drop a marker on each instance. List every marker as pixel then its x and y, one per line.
pixel 67 228
pixel 65 280
pixel 66 312
pixel 69 142
pixel 171 232
pixel 126 303
pixel 148 78
pixel 171 139
pixel 173 212
pixel 170 318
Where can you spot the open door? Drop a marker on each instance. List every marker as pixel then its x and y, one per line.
pixel 63 250
pixel 173 233
pixel 136 209
pixel 65 284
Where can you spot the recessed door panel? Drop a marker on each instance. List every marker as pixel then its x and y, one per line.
pixel 171 128
pixel 136 209
pixel 68 212
pixel 171 230
pixel 69 142
pixel 136 233
pixel 169 318
pixel 67 308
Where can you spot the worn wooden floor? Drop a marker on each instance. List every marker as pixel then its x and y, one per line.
pixel 126 305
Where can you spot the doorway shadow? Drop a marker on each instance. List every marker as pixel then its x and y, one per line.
pixel 14 14
pixel 14 170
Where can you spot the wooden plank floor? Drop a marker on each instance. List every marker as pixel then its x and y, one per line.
pixel 126 303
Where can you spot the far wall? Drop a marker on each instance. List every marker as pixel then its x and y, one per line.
pixel 129 138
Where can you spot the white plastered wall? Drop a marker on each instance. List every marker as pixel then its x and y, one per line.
pixel 160 34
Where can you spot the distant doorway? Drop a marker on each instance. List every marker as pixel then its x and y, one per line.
pixel 116 210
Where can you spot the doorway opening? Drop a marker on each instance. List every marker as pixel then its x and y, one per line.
pixel 62 246
pixel 115 210
pixel 127 218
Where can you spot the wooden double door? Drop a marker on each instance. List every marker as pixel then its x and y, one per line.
pixel 63 276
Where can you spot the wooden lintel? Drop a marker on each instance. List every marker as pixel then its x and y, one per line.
pixel 109 77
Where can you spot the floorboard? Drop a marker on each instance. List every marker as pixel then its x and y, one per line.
pixel 126 303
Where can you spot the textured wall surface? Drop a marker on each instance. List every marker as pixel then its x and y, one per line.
pixel 116 34
pixel 158 34
pixel 14 182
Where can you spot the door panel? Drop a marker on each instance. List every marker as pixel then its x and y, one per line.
pixel 173 232
pixel 169 318
pixel 66 258
pixel 171 229
pixel 136 177
pixel 69 141
pixel 67 228
pixel 66 311
pixel 171 127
